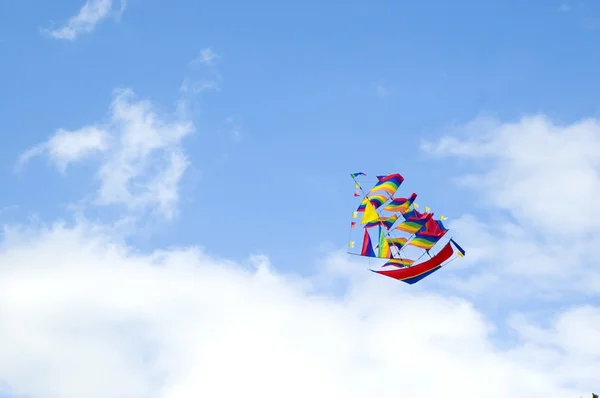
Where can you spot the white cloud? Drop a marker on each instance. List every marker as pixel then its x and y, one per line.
pixel 90 14
pixel 65 147
pixel 545 178
pixel 84 316
pixel 142 158
pixel 536 170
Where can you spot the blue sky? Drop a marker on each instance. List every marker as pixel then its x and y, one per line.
pixel 486 108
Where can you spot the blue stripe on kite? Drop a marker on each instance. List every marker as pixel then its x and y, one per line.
pixel 417 278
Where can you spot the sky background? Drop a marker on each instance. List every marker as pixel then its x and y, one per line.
pixel 156 160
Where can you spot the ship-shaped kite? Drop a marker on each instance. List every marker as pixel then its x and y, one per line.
pixel 396 231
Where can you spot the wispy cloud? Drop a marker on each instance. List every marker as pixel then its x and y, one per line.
pixel 207 56
pixel 531 164
pixel 90 15
pixel 65 147
pixel 201 74
pixel 142 160
pixel 191 85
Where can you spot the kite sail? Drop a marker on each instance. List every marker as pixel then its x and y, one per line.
pixel 394 230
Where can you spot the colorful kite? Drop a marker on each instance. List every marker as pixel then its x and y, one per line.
pixel 399 229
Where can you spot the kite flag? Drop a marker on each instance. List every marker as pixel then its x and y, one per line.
pixel 405 239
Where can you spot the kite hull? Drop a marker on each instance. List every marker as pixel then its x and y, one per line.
pixel 417 272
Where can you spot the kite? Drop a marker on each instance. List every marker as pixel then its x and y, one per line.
pixel 393 229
